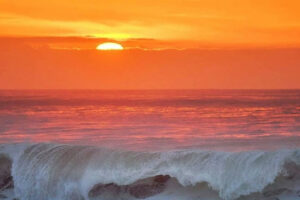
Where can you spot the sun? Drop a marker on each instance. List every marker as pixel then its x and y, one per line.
pixel 109 46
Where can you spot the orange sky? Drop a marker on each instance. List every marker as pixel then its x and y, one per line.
pixel 169 44
pixel 232 22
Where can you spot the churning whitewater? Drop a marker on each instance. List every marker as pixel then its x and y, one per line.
pixel 68 172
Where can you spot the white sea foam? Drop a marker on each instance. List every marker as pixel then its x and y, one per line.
pixel 68 172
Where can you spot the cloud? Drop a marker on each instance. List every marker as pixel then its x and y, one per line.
pixel 252 23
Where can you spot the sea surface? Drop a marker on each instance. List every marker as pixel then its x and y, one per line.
pixel 150 144
pixel 234 120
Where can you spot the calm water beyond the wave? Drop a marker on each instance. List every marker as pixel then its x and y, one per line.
pixel 154 120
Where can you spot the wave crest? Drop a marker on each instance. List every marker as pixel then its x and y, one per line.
pixel 55 171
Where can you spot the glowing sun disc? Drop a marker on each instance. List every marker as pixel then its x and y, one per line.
pixel 109 46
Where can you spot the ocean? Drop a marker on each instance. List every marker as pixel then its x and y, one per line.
pixel 150 144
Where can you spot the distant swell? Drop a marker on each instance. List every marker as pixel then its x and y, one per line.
pixel 68 172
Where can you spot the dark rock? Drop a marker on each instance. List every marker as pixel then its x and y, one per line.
pixel 273 198
pixel 6 180
pixel 293 170
pixel 103 188
pixel 144 190
pixel 161 179
pixel 2 196
pixel 140 189
pixel 275 192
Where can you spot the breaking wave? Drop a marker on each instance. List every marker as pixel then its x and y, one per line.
pixel 68 172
